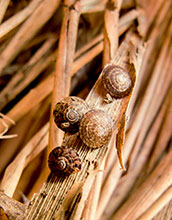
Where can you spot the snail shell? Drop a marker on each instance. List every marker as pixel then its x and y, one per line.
pixel 68 113
pixel 96 128
pixel 116 81
pixel 64 161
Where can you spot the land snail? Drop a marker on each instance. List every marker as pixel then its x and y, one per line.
pixel 68 113
pixel 96 128
pixel 116 81
pixel 64 161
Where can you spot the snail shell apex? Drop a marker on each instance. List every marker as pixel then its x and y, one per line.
pixel 68 113
pixel 116 81
pixel 96 128
pixel 64 161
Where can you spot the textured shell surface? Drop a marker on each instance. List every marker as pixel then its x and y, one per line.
pixel 64 161
pixel 96 128
pixel 68 113
pixel 116 81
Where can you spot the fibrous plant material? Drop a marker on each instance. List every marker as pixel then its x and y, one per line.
pixel 12 208
pixel 3 7
pixel 39 141
pixel 23 36
pixel 143 198
pixel 29 35
pixel 90 159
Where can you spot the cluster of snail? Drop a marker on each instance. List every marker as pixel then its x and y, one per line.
pixel 72 115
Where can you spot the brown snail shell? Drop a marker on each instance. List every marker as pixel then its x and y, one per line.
pixel 64 161
pixel 96 128
pixel 116 81
pixel 68 113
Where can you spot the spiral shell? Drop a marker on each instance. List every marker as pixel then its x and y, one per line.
pixel 116 81
pixel 96 128
pixel 64 161
pixel 68 113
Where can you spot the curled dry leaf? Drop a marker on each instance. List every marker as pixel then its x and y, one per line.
pixel 120 141
pixel 2 120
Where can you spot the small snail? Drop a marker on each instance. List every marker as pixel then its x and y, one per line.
pixel 95 128
pixel 68 113
pixel 64 161
pixel 116 81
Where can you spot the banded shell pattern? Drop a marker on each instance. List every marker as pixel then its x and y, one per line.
pixel 96 128
pixel 116 81
pixel 64 161
pixel 68 113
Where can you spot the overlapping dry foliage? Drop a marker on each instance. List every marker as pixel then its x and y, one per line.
pixel 51 50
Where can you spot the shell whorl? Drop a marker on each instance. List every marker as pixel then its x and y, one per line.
pixel 68 113
pixel 96 128
pixel 72 115
pixel 64 161
pixel 61 163
pixel 116 81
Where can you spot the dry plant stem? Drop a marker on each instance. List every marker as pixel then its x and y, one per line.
pixel 156 90
pixel 126 20
pixel 65 57
pixel 155 6
pixel 13 209
pixel 108 187
pixel 156 184
pixel 87 47
pixel 39 62
pixel 162 138
pixel 59 187
pixel 126 182
pixel 147 61
pixel 39 39
pixel 110 157
pixel 91 6
pixel 133 135
pixel 157 205
pixel 150 8
pixel 93 198
pixel 124 23
pixel 165 213
pixel 86 211
pixel 18 18
pixel 40 89
pixel 42 143
pixel 9 148
pixel 111 29
pixel 27 103
pixel 28 153
pixel 23 36
pixel 115 173
pixel 128 4
pixel 96 192
pixel 155 40
pixel 3 7
pixel 32 149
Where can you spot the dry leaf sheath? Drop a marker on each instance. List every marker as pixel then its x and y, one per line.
pixel 56 48
pixel 90 158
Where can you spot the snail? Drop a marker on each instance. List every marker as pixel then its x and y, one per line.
pixel 68 113
pixel 64 161
pixel 96 128
pixel 116 81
